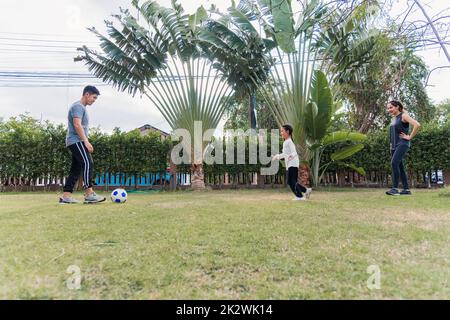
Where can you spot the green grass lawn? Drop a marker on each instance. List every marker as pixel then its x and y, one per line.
pixel 255 244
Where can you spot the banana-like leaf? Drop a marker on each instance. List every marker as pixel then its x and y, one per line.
pixel 359 170
pixel 319 110
pixel 197 18
pixel 283 21
pixel 346 152
pixel 337 105
pixel 312 111
pixel 237 49
pixel 241 21
pixel 343 136
pixel 162 60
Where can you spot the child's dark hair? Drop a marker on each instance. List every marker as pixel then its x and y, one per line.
pixel 288 128
pixel 397 104
pixel 91 90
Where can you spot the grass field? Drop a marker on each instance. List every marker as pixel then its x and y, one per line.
pixel 227 245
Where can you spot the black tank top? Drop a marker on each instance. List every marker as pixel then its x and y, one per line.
pixel 397 127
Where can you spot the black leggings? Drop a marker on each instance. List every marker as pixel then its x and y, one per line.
pixel 296 187
pixel 398 167
pixel 82 163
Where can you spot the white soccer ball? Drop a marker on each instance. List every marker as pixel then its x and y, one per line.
pixel 119 196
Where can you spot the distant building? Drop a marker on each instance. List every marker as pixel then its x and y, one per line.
pixel 148 128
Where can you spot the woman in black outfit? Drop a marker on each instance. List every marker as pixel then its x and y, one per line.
pixel 400 144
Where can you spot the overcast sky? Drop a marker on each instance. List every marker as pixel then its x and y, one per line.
pixel 25 24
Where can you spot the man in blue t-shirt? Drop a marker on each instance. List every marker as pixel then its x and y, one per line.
pixel 78 143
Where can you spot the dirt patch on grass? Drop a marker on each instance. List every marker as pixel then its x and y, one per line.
pixel 227 282
pixel 399 218
pixel 95 280
pixel 258 198
pixel 174 204
pixel 416 218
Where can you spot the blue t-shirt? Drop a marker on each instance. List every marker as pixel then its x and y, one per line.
pixel 77 110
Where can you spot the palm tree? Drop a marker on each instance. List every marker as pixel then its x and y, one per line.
pixel 241 53
pixel 163 61
pixel 298 92
pixel 293 62
pixel 319 113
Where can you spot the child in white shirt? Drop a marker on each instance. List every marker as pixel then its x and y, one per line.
pixel 292 164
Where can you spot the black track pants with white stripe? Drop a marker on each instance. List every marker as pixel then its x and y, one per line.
pixel 82 164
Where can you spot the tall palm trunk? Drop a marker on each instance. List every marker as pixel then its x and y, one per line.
pixel 253 124
pixel 197 177
pixel 316 168
pixel 304 175
pixel 252 110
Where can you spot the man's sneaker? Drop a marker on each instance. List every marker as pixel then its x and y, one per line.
pixel 299 199
pixel 308 193
pixel 393 192
pixel 94 198
pixel 406 192
pixel 68 201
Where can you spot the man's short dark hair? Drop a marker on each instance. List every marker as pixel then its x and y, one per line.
pixel 91 90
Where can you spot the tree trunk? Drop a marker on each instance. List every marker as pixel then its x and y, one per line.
pixel 304 174
pixel 316 167
pixel 173 176
pixel 252 111
pixel 367 122
pixel 341 179
pixel 446 178
pixel 227 179
pixel 198 177
pixel 260 180
pixel 429 179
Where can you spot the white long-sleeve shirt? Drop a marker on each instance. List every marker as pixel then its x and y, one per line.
pixel 290 152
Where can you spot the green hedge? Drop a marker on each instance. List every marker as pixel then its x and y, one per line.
pixel 430 150
pixel 31 150
pixel 234 169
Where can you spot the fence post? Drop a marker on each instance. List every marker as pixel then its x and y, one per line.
pixel 227 179
pixel 341 178
pixel 446 176
pixel 173 176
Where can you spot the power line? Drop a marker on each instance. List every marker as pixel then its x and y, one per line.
pixel 37 46
pixel 48 86
pixel 38 34
pixel 38 51
pixel 46 40
pixel 44 74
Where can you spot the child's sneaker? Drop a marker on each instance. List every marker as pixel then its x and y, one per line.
pixel 308 193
